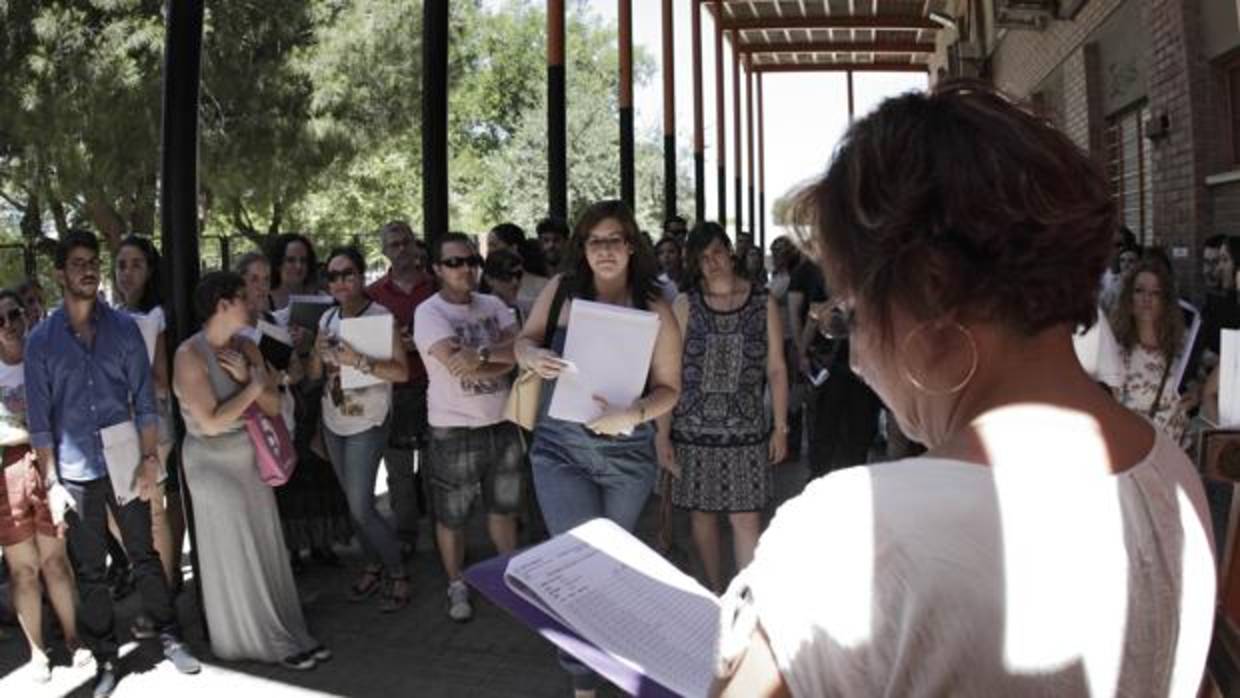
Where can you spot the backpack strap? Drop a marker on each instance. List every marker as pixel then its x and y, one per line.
pixel 553 315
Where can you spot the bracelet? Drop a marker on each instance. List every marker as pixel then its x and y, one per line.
pixel 783 429
pixel 363 364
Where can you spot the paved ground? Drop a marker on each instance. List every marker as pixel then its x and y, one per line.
pixel 415 652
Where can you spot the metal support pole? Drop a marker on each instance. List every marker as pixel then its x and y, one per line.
pixel 699 138
pixel 557 121
pixel 736 132
pixel 627 175
pixel 178 208
pixel 753 214
pixel 434 119
pixel 721 136
pixel 761 169
pixel 669 111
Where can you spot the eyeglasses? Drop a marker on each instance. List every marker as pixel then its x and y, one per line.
pixel 606 244
pixel 473 261
pixel 341 275
pixel 836 319
pixel 91 264
pixel 11 317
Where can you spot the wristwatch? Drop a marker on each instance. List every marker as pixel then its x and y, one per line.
pixel 484 355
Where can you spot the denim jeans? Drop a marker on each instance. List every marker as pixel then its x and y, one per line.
pixel 88 549
pixel 355 459
pixel 579 476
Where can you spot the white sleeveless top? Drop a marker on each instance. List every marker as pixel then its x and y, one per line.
pixel 929 577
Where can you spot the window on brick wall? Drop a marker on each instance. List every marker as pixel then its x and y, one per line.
pixel 1231 72
pixel 1130 172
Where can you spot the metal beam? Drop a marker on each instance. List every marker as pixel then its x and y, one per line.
pixel 736 137
pixel 881 23
pixel 721 134
pixel 841 67
pixel 761 167
pixel 888 47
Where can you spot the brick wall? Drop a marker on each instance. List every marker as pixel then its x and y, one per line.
pixel 1225 207
pixel 1024 58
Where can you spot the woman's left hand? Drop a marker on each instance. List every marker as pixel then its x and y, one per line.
pixel 613 422
pixel 778 449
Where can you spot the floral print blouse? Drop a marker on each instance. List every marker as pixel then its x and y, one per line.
pixel 1143 371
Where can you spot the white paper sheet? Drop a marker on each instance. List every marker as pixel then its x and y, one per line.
pixel 627 599
pixel 1099 353
pixel 122 453
pixel 1192 326
pixel 611 348
pixel 1229 379
pixel 372 336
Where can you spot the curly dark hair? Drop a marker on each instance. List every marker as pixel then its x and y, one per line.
pixel 960 203
pixel 643 269
pixel 1171 321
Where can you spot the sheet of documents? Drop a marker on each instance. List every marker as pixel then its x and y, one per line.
pixel 1192 325
pixel 627 599
pixel 372 336
pixel 1229 379
pixel 1098 352
pixel 610 348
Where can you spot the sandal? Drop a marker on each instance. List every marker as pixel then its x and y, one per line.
pixel 397 594
pixel 367 584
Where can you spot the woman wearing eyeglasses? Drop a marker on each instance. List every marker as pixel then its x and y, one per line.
pixel 355 423
pixel 722 439
pixel 1050 542
pixel 606 468
pixel 31 542
pixel 248 593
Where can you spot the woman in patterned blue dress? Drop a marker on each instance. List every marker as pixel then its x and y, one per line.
pixel 721 434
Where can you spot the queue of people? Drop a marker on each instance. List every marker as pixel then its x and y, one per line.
pixel 911 577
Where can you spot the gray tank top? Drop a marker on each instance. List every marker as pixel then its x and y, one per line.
pixel 222 385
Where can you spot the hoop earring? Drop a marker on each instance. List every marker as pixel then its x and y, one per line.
pixel 920 384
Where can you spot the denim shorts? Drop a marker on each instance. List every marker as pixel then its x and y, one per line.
pixel 465 462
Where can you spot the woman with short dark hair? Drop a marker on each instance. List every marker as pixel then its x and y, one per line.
pixel 249 597
pixel 1051 542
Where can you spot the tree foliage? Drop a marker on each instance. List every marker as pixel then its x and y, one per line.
pixel 310 117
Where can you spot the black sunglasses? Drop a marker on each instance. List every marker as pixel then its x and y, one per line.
pixel 341 275
pixel 11 317
pixel 472 261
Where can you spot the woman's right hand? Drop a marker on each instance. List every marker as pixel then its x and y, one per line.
pixel 235 365
pixel 546 363
pixel 323 348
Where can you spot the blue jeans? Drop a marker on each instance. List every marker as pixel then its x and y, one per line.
pixel 578 477
pixel 355 459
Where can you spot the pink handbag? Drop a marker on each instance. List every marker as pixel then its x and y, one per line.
pixel 273 447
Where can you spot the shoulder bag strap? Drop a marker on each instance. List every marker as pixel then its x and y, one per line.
pixel 553 315
pixel 1161 385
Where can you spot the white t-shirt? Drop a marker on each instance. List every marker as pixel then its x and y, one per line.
pixel 929 577
pixel 359 409
pixel 151 324
pixel 463 402
pixel 12 399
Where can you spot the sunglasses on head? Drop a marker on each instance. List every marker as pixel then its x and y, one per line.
pixel 471 261
pixel 341 275
pixel 11 317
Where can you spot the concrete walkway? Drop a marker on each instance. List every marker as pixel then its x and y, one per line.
pixel 418 651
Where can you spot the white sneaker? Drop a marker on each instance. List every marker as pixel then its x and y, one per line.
pixel 40 667
pixel 459 608
pixel 81 657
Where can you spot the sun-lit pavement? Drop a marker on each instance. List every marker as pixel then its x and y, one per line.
pixel 418 651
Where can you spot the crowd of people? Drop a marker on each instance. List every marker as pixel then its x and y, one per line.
pixel 881 335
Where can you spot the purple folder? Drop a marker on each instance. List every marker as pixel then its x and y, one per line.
pixel 488 578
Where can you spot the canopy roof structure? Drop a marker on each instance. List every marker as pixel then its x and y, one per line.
pixel 831 35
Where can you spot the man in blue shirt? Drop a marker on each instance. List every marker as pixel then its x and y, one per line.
pixel 92 417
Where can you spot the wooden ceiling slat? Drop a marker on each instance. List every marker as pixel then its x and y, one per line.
pixel 888 23
pixel 838 46
pixel 823 67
